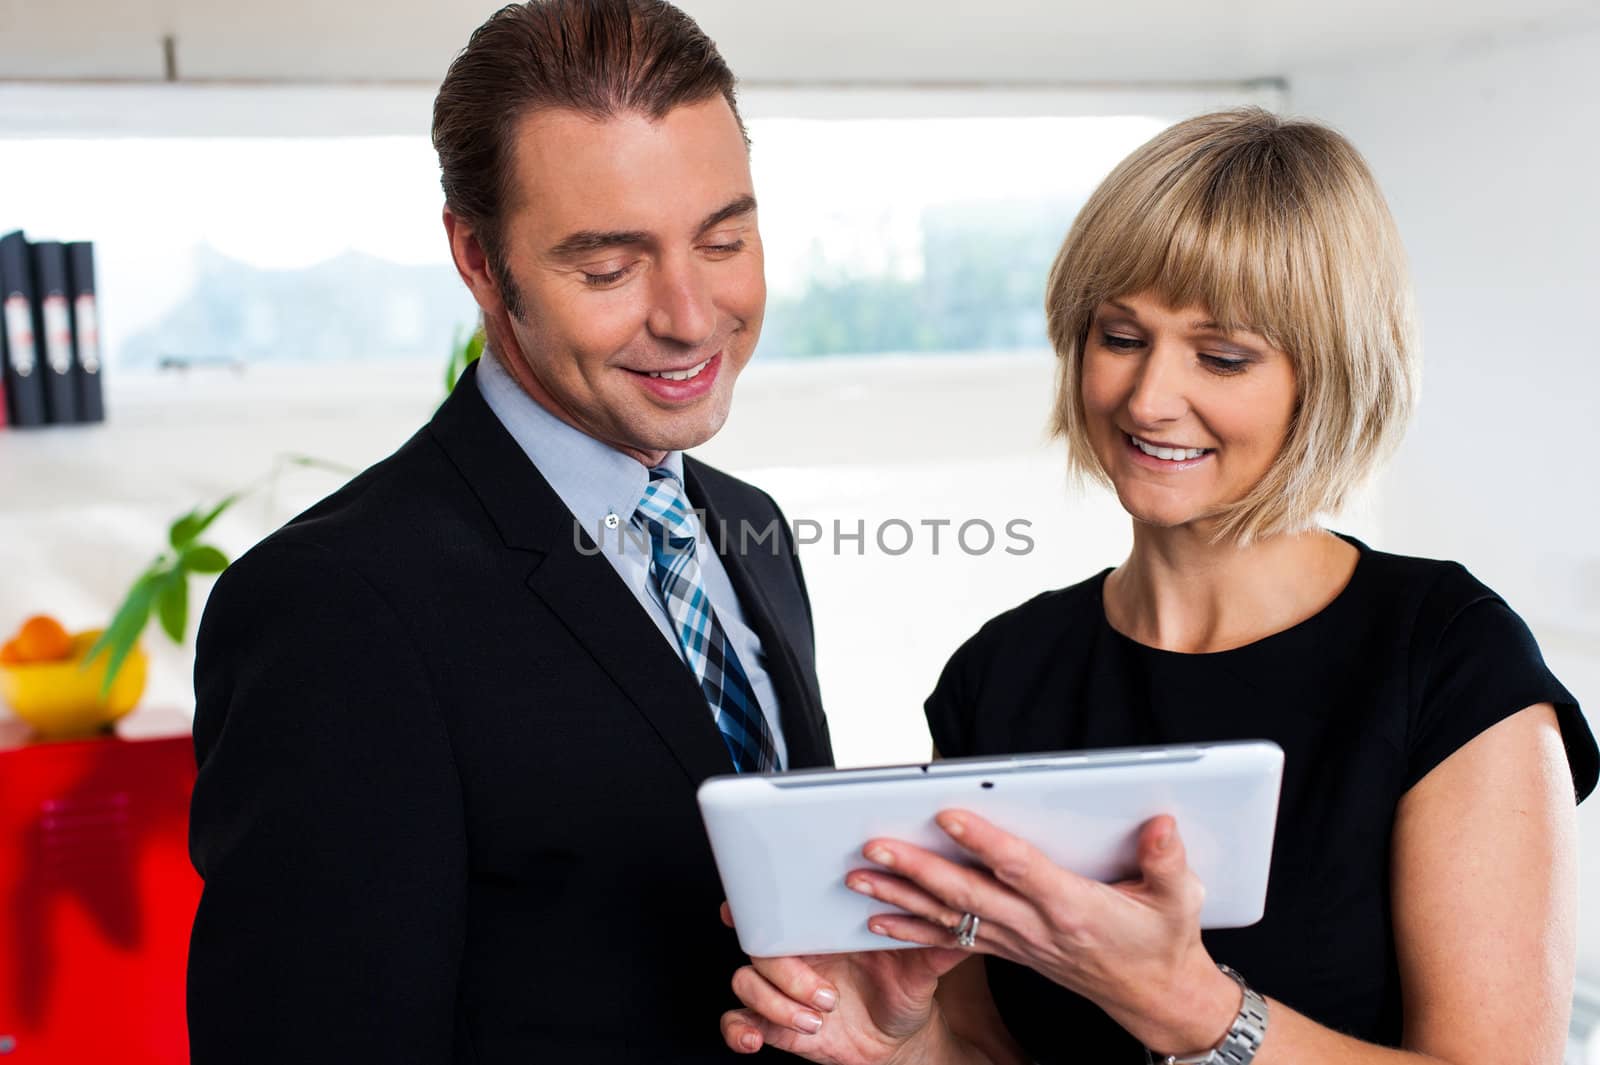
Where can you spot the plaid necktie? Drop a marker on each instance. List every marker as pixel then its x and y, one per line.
pixel 664 513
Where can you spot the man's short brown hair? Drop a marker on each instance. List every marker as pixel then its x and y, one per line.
pixel 598 57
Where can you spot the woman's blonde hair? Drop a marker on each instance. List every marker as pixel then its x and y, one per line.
pixel 1276 227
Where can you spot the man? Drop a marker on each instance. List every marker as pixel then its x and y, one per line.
pixel 448 750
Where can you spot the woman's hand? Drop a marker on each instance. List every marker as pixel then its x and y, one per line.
pixel 1132 948
pixel 868 1008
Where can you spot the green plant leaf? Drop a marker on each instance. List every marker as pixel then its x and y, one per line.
pixel 186 529
pixel 452 365
pixel 174 605
pixel 163 587
pixel 126 626
pixel 462 354
pixel 132 614
pixel 314 463
pixel 203 558
pixel 183 530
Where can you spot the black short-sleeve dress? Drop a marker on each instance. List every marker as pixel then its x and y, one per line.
pixel 1413 658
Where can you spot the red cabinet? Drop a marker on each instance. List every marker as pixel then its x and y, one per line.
pixel 97 897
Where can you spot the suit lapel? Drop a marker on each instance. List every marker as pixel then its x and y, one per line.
pixel 605 618
pixel 581 589
pixel 800 708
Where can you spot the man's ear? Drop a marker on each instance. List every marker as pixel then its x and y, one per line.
pixel 472 263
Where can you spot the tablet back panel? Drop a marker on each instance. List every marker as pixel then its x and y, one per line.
pixel 784 842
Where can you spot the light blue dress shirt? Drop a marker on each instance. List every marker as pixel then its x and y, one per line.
pixel 595 481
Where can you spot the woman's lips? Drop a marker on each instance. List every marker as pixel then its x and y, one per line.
pixel 1143 458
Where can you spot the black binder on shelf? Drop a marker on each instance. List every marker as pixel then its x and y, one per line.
pixel 5 361
pixel 23 367
pixel 54 327
pixel 85 331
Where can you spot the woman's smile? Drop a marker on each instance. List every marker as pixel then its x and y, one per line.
pixel 1169 458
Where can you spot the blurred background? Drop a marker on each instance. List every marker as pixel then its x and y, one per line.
pixel 273 280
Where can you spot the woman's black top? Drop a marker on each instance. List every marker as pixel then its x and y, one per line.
pixel 1411 660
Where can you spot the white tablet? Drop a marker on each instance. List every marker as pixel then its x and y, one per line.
pixel 785 841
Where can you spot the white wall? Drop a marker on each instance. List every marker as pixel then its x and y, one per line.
pixel 1489 151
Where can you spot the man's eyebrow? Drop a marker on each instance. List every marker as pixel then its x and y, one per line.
pixel 743 205
pixel 591 240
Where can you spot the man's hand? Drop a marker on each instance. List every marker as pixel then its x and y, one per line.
pixel 867 1008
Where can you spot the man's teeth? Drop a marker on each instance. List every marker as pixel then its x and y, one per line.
pixel 1171 454
pixel 682 375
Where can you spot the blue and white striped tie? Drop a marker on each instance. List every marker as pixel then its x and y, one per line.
pixel 664 513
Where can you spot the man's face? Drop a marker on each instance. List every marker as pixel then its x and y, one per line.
pixel 633 244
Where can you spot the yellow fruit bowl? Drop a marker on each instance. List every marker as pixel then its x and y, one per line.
pixel 62 699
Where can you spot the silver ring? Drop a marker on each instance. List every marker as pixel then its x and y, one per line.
pixel 967 930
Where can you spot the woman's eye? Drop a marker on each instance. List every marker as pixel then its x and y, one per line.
pixel 1220 364
pixel 1119 343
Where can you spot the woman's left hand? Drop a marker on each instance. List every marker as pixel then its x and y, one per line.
pixel 1133 948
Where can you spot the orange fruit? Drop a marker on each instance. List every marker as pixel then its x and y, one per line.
pixel 43 639
pixel 11 654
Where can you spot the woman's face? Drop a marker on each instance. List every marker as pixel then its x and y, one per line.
pixel 1184 417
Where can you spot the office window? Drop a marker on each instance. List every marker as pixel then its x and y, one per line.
pixel 225 249
pixel 882 235
pixel 921 234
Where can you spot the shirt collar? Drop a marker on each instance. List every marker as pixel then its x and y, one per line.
pixel 592 478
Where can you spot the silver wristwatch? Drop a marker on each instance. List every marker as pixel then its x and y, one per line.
pixel 1244 1037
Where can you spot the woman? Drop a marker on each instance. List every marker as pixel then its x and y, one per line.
pixel 1232 314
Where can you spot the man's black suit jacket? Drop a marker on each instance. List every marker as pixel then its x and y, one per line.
pixel 445 810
